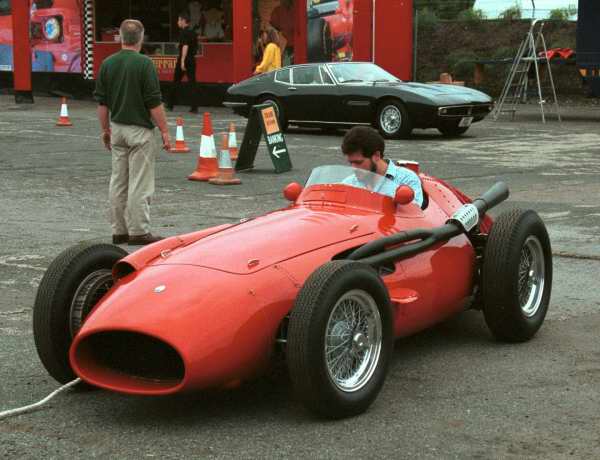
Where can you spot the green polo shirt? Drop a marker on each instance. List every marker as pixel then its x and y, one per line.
pixel 128 85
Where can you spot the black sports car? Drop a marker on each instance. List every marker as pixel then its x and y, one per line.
pixel 350 93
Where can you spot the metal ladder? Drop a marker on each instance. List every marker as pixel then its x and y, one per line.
pixel 517 82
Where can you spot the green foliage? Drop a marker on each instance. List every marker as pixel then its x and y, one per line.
pixel 444 9
pixel 471 15
pixel 461 64
pixel 563 14
pixel 512 13
pixel 427 18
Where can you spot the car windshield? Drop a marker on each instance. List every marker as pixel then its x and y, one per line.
pixel 353 177
pixel 360 72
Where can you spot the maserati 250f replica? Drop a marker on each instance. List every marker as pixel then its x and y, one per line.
pixel 349 93
pixel 326 283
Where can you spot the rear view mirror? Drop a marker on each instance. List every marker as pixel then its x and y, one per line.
pixel 292 191
pixel 404 195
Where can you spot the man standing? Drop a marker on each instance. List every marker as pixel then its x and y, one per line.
pixel 364 148
pixel 186 62
pixel 128 92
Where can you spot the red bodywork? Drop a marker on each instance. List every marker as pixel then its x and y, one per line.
pixel 214 300
pixel 65 48
pixel 341 27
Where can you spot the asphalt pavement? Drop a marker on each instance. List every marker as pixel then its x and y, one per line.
pixel 452 391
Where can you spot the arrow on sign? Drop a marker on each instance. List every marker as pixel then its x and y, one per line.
pixel 277 152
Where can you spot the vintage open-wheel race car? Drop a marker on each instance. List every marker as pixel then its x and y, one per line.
pixel 328 282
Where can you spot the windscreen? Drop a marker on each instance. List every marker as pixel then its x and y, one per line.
pixel 360 72
pixel 353 177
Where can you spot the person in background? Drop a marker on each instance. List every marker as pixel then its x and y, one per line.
pixel 186 63
pixel 282 18
pixel 272 54
pixel 129 104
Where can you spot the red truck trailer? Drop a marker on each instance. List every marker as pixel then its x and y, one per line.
pixel 69 39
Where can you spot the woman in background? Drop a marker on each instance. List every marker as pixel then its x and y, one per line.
pixel 272 54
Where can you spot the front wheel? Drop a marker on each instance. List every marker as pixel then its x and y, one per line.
pixel 393 120
pixel 340 339
pixel 73 284
pixel 516 276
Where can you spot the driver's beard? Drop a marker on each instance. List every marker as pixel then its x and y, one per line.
pixel 373 167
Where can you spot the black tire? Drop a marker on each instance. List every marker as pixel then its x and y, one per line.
pixel 451 129
pixel 52 320
pixel 405 125
pixel 320 43
pixel 305 351
pixel 279 109
pixel 515 236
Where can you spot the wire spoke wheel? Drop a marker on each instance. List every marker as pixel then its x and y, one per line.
pixel 88 294
pixel 390 119
pixel 353 341
pixel 531 276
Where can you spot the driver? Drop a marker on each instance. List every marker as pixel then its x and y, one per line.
pixel 364 147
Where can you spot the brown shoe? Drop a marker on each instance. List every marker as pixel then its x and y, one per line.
pixel 120 239
pixel 141 240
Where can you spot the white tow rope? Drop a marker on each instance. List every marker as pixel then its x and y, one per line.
pixel 31 407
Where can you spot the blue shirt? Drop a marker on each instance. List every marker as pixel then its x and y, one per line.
pixel 397 176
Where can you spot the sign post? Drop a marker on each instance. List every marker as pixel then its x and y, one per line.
pixel 263 118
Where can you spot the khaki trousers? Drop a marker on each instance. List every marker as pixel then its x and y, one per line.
pixel 134 150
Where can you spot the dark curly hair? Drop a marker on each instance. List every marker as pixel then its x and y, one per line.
pixel 363 139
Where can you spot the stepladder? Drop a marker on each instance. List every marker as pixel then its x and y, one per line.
pixel 530 74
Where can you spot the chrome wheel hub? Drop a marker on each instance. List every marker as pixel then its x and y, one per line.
pixel 353 340
pixel 390 119
pixel 531 276
pixel 88 294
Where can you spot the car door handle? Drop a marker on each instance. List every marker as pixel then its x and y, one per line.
pixel 292 88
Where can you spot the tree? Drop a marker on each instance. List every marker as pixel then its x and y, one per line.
pixel 444 9
pixel 563 14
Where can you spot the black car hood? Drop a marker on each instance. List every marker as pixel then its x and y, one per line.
pixel 442 94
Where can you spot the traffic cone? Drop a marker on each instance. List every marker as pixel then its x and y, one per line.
pixel 233 148
pixel 207 165
pixel 225 175
pixel 180 145
pixel 63 119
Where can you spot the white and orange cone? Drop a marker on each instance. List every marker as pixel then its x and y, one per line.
pixel 63 119
pixel 207 165
pixel 225 175
pixel 233 147
pixel 180 145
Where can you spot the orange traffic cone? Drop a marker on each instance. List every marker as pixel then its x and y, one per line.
pixel 180 145
pixel 207 159
pixel 226 175
pixel 233 148
pixel 63 119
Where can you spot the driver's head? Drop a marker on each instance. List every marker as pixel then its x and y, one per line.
pixel 363 147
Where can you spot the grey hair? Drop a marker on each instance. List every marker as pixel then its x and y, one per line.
pixel 132 32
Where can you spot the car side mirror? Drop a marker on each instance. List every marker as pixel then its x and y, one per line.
pixel 404 195
pixel 292 191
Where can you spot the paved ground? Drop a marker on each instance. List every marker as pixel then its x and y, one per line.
pixel 452 391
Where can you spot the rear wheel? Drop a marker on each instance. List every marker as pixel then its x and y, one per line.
pixel 393 120
pixel 340 339
pixel 279 110
pixel 517 276
pixel 73 284
pixel 320 43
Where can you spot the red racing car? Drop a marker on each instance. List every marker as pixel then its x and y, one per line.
pixel 330 25
pixel 327 283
